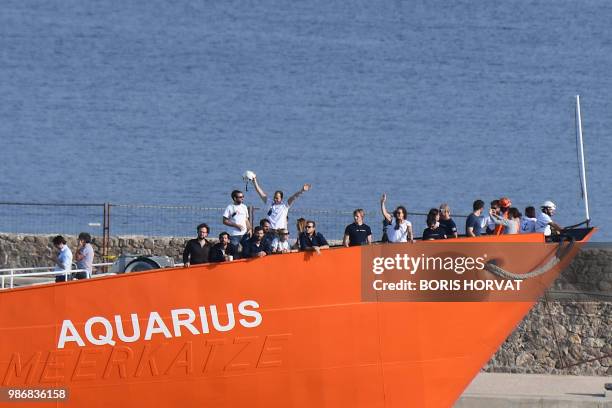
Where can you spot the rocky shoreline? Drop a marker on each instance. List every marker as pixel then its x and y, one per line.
pixel 568 333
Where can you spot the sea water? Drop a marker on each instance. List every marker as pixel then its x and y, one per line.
pixel 169 102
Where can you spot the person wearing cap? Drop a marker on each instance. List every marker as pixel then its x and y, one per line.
pixel 280 244
pixel 544 222
pixel 504 206
pixel 511 223
pixel 357 233
pixel 277 210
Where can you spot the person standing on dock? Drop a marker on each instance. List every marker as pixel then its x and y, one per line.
pixel 277 210
pixel 197 250
pixel 236 216
pixel 63 261
pixel 84 256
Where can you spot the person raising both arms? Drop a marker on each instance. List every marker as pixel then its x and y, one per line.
pixel 399 228
pixel 277 210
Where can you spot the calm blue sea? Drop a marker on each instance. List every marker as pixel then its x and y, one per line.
pixel 430 101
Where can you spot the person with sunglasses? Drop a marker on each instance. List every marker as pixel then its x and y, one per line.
pixel 280 244
pixel 399 229
pixel 311 240
pixel 277 211
pixel 236 216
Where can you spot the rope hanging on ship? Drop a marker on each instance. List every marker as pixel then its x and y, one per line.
pixel 552 262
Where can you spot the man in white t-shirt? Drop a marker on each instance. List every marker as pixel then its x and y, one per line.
pixel 236 216
pixel 544 222
pixel 277 210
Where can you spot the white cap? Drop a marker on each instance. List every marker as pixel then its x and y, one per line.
pixel 248 175
pixel 549 204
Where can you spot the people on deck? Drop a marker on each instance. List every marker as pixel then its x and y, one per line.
pixel 256 246
pixel 236 216
pixel 544 221
pixel 276 209
pixel 474 224
pixel 311 240
pixel 223 250
pixel 488 223
pixel 511 222
pixel 63 259
pixel 300 226
pixel 528 221
pixel 280 244
pixel 434 230
pixel 435 214
pixel 446 222
pixel 197 250
pixel 269 233
pixel 504 207
pixel 84 256
pixel 399 228
pixel 357 233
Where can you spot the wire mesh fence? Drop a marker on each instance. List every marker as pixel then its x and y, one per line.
pixel 51 218
pixel 169 220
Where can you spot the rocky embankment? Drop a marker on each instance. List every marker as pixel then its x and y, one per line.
pixel 569 332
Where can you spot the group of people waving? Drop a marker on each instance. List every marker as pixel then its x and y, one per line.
pixel 272 234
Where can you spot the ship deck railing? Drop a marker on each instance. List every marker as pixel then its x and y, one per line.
pixel 40 275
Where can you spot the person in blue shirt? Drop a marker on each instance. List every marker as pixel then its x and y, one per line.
pixel 475 221
pixel 63 261
pixel 311 240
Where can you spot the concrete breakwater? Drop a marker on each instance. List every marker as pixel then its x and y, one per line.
pixel 569 333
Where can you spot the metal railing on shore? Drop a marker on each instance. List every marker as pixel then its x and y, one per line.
pixel 10 273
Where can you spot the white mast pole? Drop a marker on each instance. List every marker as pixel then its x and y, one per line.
pixel 585 194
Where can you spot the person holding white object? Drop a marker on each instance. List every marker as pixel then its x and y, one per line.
pixel 277 210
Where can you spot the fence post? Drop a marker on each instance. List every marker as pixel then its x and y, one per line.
pixel 12 273
pixel 106 235
pixel 2 281
pixel 252 216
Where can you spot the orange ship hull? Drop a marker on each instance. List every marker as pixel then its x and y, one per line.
pixel 296 333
